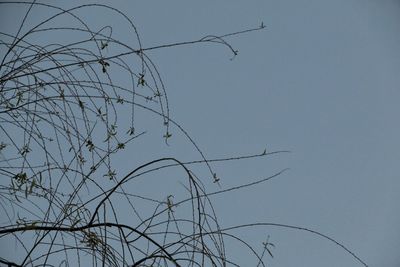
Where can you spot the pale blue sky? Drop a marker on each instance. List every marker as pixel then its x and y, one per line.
pixel 322 80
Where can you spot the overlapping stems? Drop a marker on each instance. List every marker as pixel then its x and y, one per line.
pixel 61 107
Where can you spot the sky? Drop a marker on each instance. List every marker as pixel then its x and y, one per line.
pixel 321 80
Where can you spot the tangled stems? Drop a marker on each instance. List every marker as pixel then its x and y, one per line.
pixel 70 97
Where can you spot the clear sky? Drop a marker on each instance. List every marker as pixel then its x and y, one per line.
pixel 321 80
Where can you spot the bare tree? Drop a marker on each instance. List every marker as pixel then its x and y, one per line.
pixel 63 200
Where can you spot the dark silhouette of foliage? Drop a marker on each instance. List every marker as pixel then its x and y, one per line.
pixel 63 202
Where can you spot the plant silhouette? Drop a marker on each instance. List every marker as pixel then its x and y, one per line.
pixel 61 111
